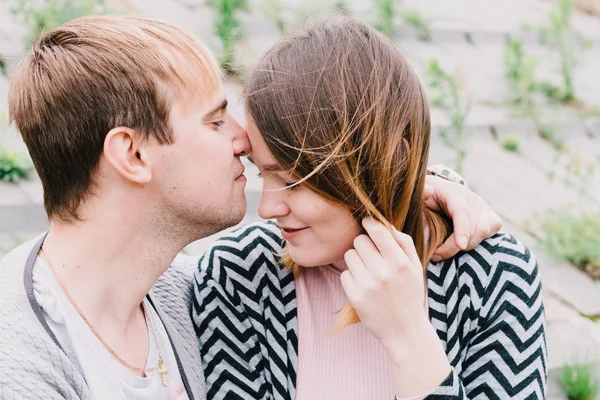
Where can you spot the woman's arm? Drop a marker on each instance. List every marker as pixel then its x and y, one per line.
pixel 504 358
pixel 506 355
pixel 220 322
pixel 228 284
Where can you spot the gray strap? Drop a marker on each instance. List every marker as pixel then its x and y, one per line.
pixel 28 282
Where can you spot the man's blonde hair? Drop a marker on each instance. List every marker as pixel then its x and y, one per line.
pixel 94 74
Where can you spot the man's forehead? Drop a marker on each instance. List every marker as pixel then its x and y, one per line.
pixel 204 103
pixel 216 99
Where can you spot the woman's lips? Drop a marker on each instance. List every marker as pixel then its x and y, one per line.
pixel 290 233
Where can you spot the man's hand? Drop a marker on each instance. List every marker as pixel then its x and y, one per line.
pixel 472 218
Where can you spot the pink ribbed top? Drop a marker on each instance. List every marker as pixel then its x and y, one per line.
pixel 351 365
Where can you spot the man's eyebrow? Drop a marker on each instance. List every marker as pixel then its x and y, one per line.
pixel 268 167
pixel 211 114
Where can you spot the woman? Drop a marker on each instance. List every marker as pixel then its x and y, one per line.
pixel 339 126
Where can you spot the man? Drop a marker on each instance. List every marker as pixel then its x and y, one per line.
pixel 126 122
pixel 127 125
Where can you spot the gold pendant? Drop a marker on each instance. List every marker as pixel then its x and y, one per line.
pixel 163 371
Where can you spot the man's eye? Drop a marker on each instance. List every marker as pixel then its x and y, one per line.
pixel 218 123
pixel 259 175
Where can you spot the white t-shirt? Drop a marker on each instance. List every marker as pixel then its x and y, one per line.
pixel 106 377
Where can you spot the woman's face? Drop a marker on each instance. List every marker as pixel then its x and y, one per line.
pixel 317 231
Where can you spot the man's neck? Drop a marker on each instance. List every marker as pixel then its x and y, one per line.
pixel 108 266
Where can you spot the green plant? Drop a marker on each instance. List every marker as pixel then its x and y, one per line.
pixel 560 36
pixel 550 90
pixel 573 235
pixel 548 133
pixel 418 22
pixel 12 168
pixel 42 15
pixel 273 10
pixel 511 143
pixel 446 94
pixel 385 12
pixel 520 74
pixel 3 69
pixel 229 30
pixel 341 6
pixel 579 381
pixel 577 173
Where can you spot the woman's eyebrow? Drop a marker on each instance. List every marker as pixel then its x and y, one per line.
pixel 268 167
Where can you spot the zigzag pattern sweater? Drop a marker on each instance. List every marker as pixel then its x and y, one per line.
pixel 485 304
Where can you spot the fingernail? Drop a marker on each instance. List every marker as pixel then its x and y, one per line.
pixel 463 242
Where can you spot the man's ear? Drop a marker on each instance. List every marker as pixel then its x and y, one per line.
pixel 126 151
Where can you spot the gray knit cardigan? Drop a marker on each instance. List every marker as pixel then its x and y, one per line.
pixel 33 365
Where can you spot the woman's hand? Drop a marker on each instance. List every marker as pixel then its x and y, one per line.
pixel 473 219
pixel 385 285
pixel 385 282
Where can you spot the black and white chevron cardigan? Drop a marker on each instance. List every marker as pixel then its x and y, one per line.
pixel 485 304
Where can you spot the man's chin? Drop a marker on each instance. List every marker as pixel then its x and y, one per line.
pixel 236 214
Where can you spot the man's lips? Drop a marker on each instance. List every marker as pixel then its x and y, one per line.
pixel 241 174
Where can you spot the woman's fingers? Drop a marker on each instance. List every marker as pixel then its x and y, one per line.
pixel 369 253
pixel 348 284
pixel 356 266
pixel 383 240
pixel 407 245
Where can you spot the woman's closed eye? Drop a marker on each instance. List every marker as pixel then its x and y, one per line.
pixel 287 185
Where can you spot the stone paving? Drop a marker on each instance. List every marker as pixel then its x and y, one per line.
pixel 469 37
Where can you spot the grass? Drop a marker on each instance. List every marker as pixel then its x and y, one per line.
pixel 342 7
pixel 559 36
pixel 229 31
pixel 3 69
pixel 579 173
pixel 548 133
pixel 520 74
pixel 520 71
pixel 579 381
pixel 12 167
pixel 573 236
pixel 43 15
pixel 418 22
pixel 273 10
pixel 385 13
pixel 511 143
pixel 446 94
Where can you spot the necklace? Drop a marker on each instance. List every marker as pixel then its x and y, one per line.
pixel 160 366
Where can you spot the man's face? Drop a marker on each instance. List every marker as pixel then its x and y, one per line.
pixel 200 176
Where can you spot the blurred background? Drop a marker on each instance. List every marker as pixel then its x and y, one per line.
pixel 515 94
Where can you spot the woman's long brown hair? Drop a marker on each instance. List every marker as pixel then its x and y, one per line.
pixel 341 109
